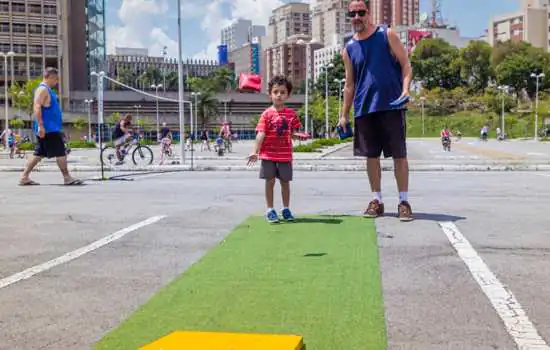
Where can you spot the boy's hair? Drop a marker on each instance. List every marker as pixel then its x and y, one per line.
pixel 279 80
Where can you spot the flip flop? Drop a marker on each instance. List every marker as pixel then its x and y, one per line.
pixel 28 183
pixel 75 182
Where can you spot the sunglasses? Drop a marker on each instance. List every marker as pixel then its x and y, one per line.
pixel 361 13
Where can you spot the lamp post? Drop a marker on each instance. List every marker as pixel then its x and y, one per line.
pixel 537 77
pixel 422 102
pixel 100 76
pixel 89 106
pixel 308 77
pixel 180 87
pixel 6 102
pixel 326 68
pixel 503 89
pixel 340 82
pixel 157 87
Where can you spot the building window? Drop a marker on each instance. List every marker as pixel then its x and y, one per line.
pixel 35 28
pixel 19 27
pixel 18 7
pixel 4 6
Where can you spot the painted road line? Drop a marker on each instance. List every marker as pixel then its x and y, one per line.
pixel 515 319
pixel 28 273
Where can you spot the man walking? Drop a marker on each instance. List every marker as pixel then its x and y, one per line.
pixel 378 76
pixel 47 126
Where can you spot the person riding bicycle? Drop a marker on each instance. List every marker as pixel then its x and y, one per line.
pixel 226 134
pixel 445 134
pixel 122 134
pixel 484 132
pixel 165 141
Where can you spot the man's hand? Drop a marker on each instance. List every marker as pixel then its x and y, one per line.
pixel 252 158
pixel 41 131
pixel 343 122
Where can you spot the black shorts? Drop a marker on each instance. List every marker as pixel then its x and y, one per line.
pixel 270 170
pixel 51 146
pixel 380 131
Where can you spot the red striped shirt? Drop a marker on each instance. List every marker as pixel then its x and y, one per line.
pixel 278 127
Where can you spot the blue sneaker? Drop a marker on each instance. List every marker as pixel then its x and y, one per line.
pixel 287 215
pixel 272 216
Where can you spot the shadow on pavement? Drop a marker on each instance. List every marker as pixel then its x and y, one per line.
pixel 433 217
pixel 321 220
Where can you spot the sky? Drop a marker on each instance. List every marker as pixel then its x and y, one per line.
pixel 152 24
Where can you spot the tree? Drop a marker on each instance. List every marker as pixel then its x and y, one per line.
pixel 207 107
pixel 335 73
pixel 23 95
pixel 79 124
pixel 435 63
pixel 17 124
pixel 475 65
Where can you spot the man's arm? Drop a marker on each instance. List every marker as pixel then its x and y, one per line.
pixel 349 85
pixel 400 53
pixel 40 98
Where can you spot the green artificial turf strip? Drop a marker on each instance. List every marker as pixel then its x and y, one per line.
pixel 318 277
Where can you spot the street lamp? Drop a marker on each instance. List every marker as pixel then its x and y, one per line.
pixel 422 102
pixel 6 55
pixel 225 109
pixel 157 87
pixel 326 68
pixel 89 104
pixel 180 86
pixel 503 89
pixel 196 124
pixel 537 77
pixel 308 76
pixel 339 82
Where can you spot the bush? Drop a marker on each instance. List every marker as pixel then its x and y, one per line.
pixel 309 148
pixel 81 144
pixel 316 145
pixel 26 146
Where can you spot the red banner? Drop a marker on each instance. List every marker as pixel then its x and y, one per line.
pixel 414 37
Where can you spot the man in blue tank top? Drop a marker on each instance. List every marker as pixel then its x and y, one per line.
pixel 47 125
pixel 378 76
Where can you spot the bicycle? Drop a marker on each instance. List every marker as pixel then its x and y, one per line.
pixel 140 152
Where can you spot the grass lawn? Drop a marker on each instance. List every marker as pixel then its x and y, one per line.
pixel 318 277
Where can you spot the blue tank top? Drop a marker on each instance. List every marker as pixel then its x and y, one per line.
pixel 52 116
pixel 378 75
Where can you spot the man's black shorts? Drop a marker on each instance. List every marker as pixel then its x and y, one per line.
pixel 380 131
pixel 51 146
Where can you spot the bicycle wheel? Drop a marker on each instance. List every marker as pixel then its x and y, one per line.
pixel 142 153
pixel 108 156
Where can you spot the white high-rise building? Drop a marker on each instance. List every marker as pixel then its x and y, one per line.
pixel 240 33
pixel 287 21
pixel 330 22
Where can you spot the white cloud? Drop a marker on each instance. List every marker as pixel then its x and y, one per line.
pixel 138 27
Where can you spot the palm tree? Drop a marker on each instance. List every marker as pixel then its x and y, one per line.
pixel 207 107
pixel 223 79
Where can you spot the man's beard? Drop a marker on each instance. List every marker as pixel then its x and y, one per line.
pixel 360 28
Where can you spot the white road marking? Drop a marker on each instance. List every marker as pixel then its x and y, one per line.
pixel 28 273
pixel 538 154
pixel 505 303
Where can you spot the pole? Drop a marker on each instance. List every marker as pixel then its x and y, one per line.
pixel 180 88
pixel 196 111
pixel 158 126
pixel 423 130
pixel 90 121
pixel 307 85
pixel 339 98
pixel 537 110
pixel 502 116
pixel 326 103
pixel 100 117
pixel 192 138
pixel 225 110
pixel 6 99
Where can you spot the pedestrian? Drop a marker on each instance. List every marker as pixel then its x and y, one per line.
pixel 378 74
pixel 273 146
pixel 47 125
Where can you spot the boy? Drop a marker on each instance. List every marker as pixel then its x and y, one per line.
pixel 275 130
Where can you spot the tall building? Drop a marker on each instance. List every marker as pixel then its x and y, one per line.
pixel 531 24
pixel 288 20
pixel 330 21
pixel 239 33
pixel 29 29
pixel 395 12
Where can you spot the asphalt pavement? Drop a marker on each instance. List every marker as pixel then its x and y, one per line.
pixel 431 298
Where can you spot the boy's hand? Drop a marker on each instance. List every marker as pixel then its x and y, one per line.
pixel 252 158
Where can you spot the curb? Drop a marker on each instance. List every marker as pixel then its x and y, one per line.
pixel 311 168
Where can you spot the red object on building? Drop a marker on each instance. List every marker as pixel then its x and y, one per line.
pixel 414 37
pixel 250 82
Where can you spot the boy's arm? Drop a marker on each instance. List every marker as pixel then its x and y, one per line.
pixel 260 135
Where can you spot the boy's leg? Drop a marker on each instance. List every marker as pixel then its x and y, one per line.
pixel 268 172
pixel 284 173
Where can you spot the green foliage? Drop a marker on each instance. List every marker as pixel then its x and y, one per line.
pixel 81 144
pixel 337 72
pixel 80 123
pixel 475 65
pixel 435 62
pixel 318 145
pixel 26 146
pixel 17 123
pixel 23 95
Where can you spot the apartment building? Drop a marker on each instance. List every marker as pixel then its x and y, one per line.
pixel 290 58
pixel 323 57
pixel 330 21
pixel 288 20
pixel 531 24
pixel 29 30
pixel 395 12
pixel 240 33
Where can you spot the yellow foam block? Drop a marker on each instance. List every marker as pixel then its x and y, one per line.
pixel 181 340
